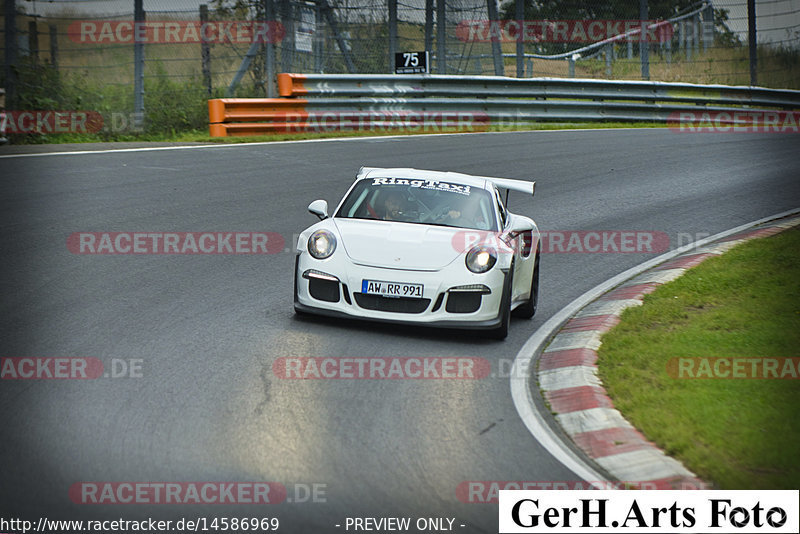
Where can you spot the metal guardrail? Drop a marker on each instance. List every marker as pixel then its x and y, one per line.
pixel 320 103
pixel 425 86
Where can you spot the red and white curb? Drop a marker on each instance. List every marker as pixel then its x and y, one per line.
pixel 567 370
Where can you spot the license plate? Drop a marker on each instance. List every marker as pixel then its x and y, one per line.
pixel 391 289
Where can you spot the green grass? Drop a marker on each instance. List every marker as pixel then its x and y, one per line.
pixel 735 433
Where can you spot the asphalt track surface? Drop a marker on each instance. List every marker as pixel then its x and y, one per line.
pixel 207 329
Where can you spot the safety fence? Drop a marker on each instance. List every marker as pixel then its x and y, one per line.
pixel 151 71
pixel 323 103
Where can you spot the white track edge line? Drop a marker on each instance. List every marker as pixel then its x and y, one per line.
pixel 533 419
pixel 299 141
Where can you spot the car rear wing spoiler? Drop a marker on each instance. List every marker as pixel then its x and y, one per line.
pixel 364 170
pixel 514 185
pixel 502 183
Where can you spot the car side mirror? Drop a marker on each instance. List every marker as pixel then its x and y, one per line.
pixel 319 208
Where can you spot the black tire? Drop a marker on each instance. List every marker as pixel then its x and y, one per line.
pixel 501 332
pixel 528 309
pixel 297 312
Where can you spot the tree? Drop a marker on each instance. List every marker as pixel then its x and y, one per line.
pixel 723 36
pixel 576 10
pixel 596 9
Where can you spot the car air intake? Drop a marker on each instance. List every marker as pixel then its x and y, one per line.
pixel 326 290
pixel 466 299
pixel 391 304
pixel 463 302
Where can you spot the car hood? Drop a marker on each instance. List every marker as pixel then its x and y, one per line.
pixel 398 245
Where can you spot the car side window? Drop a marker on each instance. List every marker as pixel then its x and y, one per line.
pixel 501 209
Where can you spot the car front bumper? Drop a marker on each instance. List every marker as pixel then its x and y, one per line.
pixel 332 287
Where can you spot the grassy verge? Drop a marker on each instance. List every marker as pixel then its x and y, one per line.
pixel 736 433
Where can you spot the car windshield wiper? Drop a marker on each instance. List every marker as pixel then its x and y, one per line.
pixel 439 224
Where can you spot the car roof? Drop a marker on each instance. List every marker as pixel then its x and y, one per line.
pixel 420 174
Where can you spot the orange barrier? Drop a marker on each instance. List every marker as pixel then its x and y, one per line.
pixel 244 116
pixel 311 122
pixel 250 128
pixel 261 116
pixel 291 84
pixel 250 109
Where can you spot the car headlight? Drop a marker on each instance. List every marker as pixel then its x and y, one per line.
pixel 481 258
pixel 321 244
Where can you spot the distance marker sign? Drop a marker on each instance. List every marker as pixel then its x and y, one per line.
pixel 411 63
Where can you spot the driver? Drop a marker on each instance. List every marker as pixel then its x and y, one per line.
pixel 392 204
pixel 468 214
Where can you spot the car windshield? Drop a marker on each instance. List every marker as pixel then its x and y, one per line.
pixel 420 202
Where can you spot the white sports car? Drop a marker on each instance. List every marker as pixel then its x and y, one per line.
pixel 422 247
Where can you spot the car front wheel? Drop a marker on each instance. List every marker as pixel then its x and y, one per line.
pixel 528 308
pixel 501 332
